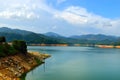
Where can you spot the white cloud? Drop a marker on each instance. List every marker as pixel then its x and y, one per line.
pixel 60 1
pixel 21 15
pixel 81 17
pixel 19 10
pixel 75 15
pixel 78 15
pixel 72 18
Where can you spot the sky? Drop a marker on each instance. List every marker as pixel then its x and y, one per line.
pixel 65 17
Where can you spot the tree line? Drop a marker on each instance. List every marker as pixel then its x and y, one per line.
pixel 16 46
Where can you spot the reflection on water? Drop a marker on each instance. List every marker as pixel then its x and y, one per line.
pixel 77 63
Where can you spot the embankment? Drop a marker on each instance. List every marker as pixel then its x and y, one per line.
pixel 15 66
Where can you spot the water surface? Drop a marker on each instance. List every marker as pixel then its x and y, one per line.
pixel 77 63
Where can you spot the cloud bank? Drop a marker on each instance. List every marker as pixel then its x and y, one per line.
pixel 39 14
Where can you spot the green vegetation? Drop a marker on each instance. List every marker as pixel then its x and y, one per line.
pixel 38 61
pixel 16 47
pixel 2 39
pixel 6 49
pixel 23 76
pixel 53 38
pixel 20 46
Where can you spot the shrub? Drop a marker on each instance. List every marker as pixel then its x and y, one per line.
pixel 20 46
pixel 16 47
pixel 2 39
pixel 6 50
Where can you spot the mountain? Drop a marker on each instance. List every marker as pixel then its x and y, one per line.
pixel 16 31
pixel 98 37
pixel 54 38
pixel 11 36
pixel 52 34
pixel 29 37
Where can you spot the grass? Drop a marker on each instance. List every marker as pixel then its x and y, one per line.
pixel 38 61
pixel 23 76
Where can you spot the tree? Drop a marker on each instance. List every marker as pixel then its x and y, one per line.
pixel 20 46
pixel 2 39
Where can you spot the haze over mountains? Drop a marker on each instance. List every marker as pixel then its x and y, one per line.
pixel 54 38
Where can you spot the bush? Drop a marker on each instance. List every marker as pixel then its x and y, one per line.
pixel 2 39
pixel 6 50
pixel 2 54
pixel 20 46
pixel 16 47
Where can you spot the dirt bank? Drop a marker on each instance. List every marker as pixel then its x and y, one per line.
pixel 13 67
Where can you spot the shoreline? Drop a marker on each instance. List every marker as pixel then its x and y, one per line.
pixel 107 46
pixel 78 45
pixel 39 56
pixel 16 67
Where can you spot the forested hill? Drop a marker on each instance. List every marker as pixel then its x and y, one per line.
pixel 54 38
pixel 29 37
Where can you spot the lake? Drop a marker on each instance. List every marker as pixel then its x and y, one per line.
pixel 77 63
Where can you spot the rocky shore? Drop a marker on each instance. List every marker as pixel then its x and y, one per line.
pixel 14 66
pixel 107 46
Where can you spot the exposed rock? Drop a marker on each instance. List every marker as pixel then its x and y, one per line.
pixel 13 67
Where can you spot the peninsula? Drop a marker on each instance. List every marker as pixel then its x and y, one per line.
pixel 16 61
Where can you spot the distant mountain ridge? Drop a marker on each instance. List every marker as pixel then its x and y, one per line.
pixel 17 31
pixel 52 34
pixel 95 37
pixel 28 36
pixel 54 38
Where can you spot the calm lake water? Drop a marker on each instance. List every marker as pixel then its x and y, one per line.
pixel 77 63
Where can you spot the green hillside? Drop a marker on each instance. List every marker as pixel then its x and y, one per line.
pixel 53 38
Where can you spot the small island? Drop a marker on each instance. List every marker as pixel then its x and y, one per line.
pixel 16 61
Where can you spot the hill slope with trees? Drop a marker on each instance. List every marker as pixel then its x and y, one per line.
pixel 54 38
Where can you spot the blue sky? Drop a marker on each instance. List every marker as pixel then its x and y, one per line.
pixel 65 17
pixel 106 8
